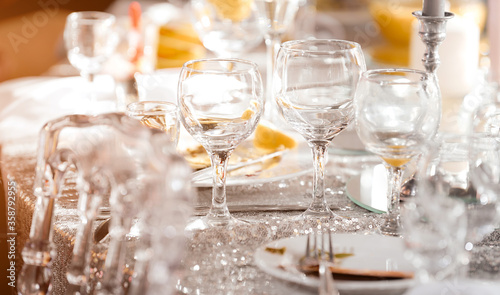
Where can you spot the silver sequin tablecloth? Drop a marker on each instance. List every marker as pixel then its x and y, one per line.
pixel 220 262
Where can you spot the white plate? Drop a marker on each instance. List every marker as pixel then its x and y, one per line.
pixel 293 163
pixel 463 287
pixel 371 252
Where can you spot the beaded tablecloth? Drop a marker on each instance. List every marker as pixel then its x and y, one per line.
pixel 218 262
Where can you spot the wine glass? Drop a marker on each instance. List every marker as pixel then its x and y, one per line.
pixel 90 40
pixel 484 153
pixel 315 82
pixel 220 102
pixel 160 115
pixel 397 112
pixel 435 220
pixel 276 16
pixel 227 28
pixel 486 120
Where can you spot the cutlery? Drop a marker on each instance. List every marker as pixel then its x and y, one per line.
pixel 322 259
pixel 310 264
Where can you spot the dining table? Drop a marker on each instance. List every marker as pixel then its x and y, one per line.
pixel 215 261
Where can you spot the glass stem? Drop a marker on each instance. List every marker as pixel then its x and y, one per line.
pixel 395 176
pixel 319 204
pixel 273 42
pixel 115 258
pixel 218 210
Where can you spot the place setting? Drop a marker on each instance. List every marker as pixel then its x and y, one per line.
pixel 230 147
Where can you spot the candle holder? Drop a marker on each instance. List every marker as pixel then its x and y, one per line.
pixel 432 31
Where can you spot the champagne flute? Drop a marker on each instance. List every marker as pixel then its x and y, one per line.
pixel 315 82
pixel 160 115
pixel 276 17
pixel 397 112
pixel 90 40
pixel 227 28
pixel 220 102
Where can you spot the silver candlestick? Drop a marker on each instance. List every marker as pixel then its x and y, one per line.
pixel 432 31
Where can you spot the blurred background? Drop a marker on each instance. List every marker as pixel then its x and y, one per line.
pixel 31 31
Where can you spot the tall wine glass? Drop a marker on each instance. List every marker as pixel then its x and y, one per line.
pixel 90 40
pixel 227 28
pixel 220 102
pixel 276 17
pixel 397 112
pixel 315 82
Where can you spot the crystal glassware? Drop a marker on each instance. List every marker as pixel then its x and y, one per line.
pixel 160 115
pixel 435 224
pixel 397 112
pixel 484 158
pixel 315 83
pixel 220 102
pixel 112 159
pixel 227 28
pixel 90 40
pixel 456 203
pixel 276 17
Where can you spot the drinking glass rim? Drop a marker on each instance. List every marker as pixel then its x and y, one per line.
pixel 369 75
pixel 287 45
pixel 186 65
pixel 99 16
pixel 172 107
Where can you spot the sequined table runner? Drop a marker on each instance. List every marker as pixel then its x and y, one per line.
pixel 222 262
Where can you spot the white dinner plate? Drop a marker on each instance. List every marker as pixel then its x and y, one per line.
pixel 293 163
pixel 371 252
pixel 462 287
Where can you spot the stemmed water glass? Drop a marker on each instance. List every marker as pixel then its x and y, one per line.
pixel 397 112
pixel 227 28
pixel 276 17
pixel 220 102
pixel 315 82
pixel 90 40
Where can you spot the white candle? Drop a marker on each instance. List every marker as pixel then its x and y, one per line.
pixel 459 54
pixel 433 7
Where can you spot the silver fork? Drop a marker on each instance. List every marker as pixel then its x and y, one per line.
pixel 323 259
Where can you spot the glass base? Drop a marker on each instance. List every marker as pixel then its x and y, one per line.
pixel 391 227
pixel 319 217
pixel 311 213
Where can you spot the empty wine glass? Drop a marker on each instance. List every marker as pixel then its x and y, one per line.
pixel 160 115
pixel 276 17
pixel 227 28
pixel 435 221
pixel 90 40
pixel 456 203
pixel 486 120
pixel 397 112
pixel 484 156
pixel 315 82
pixel 220 102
